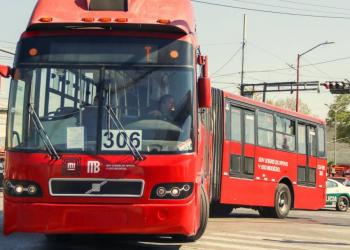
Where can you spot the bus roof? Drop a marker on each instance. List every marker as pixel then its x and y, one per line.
pixel 159 13
pixel 273 108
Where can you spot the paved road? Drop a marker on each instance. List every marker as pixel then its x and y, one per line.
pixel 244 229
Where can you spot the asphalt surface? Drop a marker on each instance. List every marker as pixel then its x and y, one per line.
pixel 243 229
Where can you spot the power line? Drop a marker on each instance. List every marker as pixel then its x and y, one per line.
pixel 319 70
pixel 228 61
pixel 2 41
pixel 289 8
pixel 271 11
pixel 271 54
pixel 282 69
pixel 314 5
pixel 7 52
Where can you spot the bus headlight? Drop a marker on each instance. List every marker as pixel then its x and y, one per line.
pixel 19 189
pixel 22 188
pixel 167 191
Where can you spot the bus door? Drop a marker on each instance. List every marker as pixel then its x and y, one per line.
pixel 312 156
pixel 307 163
pixel 240 156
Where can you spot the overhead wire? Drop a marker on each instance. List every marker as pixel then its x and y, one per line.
pixel 271 11
pixel 289 8
pixel 227 62
pixel 319 70
pixel 283 69
pixel 314 5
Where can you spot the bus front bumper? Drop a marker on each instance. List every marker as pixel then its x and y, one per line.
pixel 100 219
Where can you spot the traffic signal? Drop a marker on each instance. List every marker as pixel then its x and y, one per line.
pixel 338 87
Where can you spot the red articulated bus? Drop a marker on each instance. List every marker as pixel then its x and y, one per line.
pixel 113 128
pixel 102 128
pixel 265 157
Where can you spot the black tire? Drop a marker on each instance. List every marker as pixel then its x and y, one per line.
pixel 342 204
pixel 220 210
pixel 58 237
pixel 283 201
pixel 204 215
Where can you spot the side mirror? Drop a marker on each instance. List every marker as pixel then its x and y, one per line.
pixel 204 91
pixel 204 84
pixel 5 71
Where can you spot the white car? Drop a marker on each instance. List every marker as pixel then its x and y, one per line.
pixel 338 195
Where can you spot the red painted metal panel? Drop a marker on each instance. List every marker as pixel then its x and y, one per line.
pixel 139 12
pixel 94 218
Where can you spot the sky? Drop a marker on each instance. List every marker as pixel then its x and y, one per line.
pixel 272 42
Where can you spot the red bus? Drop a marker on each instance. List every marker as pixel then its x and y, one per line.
pixel 113 128
pixel 102 125
pixel 266 158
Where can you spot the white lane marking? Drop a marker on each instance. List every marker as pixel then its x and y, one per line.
pixel 287 236
pixel 203 244
pixel 258 243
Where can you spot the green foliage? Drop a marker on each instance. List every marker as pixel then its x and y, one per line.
pixel 339 111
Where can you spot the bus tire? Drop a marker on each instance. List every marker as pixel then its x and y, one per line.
pixel 220 210
pixel 342 204
pixel 283 201
pixel 204 215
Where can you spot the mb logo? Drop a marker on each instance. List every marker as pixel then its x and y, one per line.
pixel 93 167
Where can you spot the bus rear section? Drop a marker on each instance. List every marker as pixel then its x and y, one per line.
pixel 267 158
pixel 101 122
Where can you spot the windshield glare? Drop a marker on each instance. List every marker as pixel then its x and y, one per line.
pixel 154 106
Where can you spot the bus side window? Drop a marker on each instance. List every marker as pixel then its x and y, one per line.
pixel 312 141
pixel 321 142
pixel 285 134
pixel 265 129
pixel 235 124
pixel 301 139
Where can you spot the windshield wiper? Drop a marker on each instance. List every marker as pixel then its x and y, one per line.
pixel 42 133
pixel 119 126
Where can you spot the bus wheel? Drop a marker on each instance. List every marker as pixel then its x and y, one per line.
pixel 204 215
pixel 283 201
pixel 342 204
pixel 220 210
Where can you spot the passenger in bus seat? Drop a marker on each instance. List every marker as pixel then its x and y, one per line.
pixel 285 145
pixel 166 109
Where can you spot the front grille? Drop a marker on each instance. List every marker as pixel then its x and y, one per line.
pixel 96 187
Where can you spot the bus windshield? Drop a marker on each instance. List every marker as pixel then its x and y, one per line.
pixel 154 107
pixel 104 94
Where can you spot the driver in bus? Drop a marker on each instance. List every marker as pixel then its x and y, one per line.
pixel 166 109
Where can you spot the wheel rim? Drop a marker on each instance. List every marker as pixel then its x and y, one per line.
pixel 343 203
pixel 283 202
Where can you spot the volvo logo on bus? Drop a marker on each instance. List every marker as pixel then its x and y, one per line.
pixel 93 167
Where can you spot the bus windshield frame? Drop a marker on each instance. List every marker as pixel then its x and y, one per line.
pixel 154 100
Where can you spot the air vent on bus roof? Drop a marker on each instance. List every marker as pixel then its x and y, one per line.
pixel 116 5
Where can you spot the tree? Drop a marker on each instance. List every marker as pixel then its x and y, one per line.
pixel 289 103
pixel 339 110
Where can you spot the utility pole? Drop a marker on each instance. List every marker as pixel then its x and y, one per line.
pixel 243 48
pixel 298 70
pixel 335 133
pixel 335 137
